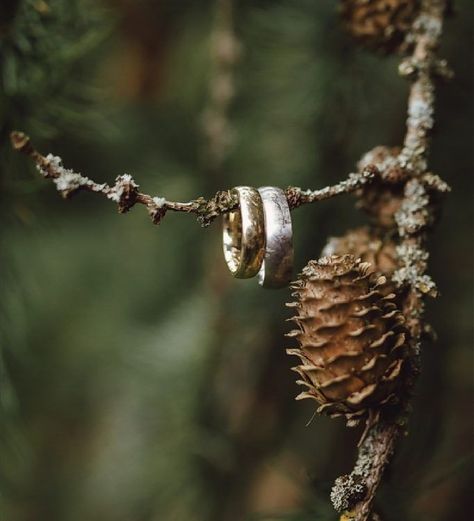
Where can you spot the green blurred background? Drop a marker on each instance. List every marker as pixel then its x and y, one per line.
pixel 139 381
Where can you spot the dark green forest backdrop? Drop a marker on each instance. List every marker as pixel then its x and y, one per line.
pixel 139 381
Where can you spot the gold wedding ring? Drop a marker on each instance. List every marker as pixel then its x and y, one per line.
pixel 244 234
pixel 277 266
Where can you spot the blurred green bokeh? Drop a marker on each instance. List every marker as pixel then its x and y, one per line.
pixel 140 382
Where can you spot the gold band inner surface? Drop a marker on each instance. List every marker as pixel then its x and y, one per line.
pixel 244 234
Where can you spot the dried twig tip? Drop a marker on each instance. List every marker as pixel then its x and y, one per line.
pixel 20 141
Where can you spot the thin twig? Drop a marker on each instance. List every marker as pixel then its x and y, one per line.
pixel 125 192
pixel 355 181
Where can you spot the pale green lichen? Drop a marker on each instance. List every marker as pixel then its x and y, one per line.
pixel 347 491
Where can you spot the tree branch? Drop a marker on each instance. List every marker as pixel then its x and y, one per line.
pixel 355 493
pixel 355 181
pixel 125 192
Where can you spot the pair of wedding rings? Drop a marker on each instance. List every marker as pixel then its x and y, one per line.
pixel 258 238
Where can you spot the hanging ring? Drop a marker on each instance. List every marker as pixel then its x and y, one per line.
pixel 244 234
pixel 277 266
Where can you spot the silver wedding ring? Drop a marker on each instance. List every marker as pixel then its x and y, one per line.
pixel 277 266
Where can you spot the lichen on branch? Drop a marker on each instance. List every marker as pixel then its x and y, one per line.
pixel 403 204
pixel 125 192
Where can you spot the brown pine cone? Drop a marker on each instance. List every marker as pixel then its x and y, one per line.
pixel 364 244
pixel 382 198
pixel 352 337
pixel 380 24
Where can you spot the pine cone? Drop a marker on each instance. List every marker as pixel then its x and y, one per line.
pixel 352 339
pixel 380 24
pixel 364 244
pixel 382 198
